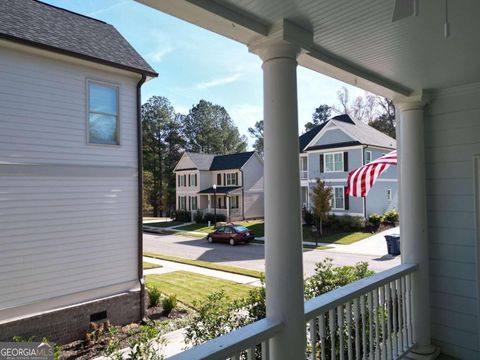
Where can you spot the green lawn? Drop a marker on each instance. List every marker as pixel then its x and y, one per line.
pixel 207 265
pixel 164 224
pixel 148 265
pixel 189 287
pixel 342 238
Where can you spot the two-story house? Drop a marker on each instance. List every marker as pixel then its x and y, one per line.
pixel 331 150
pixel 70 173
pixel 226 184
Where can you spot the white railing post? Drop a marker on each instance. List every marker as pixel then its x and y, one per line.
pixel 283 248
pixel 413 219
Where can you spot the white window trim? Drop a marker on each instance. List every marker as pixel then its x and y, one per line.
pixel 87 107
pixel 333 198
pixel 232 175
pixel 325 162
pixel 371 156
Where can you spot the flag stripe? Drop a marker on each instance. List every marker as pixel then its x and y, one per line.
pixel 361 180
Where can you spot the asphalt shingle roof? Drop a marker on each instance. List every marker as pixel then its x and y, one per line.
pixel 362 133
pixel 37 24
pixel 232 161
pixel 201 161
pixel 220 190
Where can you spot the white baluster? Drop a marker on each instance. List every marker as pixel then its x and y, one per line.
pixel 356 314
pixel 409 310
pixel 340 330
pixel 395 328
pixel 375 318
pixel 370 325
pixel 266 350
pixel 382 314
pixel 404 313
pixel 364 328
pixel 321 331
pixel 349 330
pixel 251 354
pixel 399 315
pixel 389 321
pixel 331 322
pixel 313 339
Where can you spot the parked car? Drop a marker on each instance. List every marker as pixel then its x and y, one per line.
pixel 232 234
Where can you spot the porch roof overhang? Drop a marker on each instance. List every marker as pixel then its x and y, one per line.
pixel 221 190
pixel 355 42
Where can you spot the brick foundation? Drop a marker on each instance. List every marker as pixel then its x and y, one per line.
pixel 72 323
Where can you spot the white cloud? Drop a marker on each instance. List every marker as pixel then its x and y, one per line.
pixel 160 53
pixel 218 82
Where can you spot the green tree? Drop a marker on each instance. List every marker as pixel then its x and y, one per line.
pixel 321 115
pixel 162 147
pixel 385 121
pixel 321 198
pixel 210 130
pixel 256 132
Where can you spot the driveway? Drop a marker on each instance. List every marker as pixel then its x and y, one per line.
pixel 253 256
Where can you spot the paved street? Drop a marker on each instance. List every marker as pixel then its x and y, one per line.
pixel 252 256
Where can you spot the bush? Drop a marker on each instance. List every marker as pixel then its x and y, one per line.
pixel 374 221
pixel 211 217
pixel 391 217
pixel 198 217
pixel 347 223
pixel 183 216
pixel 308 217
pixel 153 296
pixel 168 304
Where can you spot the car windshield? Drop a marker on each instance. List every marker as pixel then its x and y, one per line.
pixel 240 228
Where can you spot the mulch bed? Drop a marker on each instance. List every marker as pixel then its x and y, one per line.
pixel 99 337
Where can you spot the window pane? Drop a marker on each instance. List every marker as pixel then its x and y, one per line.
pixel 329 162
pixel 103 99
pixel 102 129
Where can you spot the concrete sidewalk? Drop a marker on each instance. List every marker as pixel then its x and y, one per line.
pixel 170 266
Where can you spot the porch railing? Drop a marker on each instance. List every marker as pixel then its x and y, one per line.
pixel 368 319
pixel 249 342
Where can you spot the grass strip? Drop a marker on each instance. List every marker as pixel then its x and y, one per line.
pixel 190 287
pixel 206 264
pixel 148 265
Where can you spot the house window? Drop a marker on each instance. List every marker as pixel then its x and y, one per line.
pixel 192 179
pixel 219 179
pixel 389 194
pixel 368 157
pixel 338 198
pixel 234 202
pixel 303 167
pixel 102 114
pixel 194 203
pixel 232 179
pixel 182 180
pixel 182 202
pixel 333 162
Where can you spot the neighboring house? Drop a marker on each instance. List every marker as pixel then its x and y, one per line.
pixel 331 150
pixel 238 179
pixel 70 173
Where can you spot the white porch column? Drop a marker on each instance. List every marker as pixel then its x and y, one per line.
pixel 209 202
pixel 227 205
pixel 413 220
pixel 283 248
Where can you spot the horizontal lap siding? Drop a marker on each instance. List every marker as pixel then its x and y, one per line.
pixel 68 210
pixel 452 139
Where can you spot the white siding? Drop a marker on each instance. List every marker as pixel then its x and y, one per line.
pixel 253 188
pixel 452 139
pixel 68 210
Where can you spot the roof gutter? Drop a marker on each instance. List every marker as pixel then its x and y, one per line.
pixel 140 195
pixel 77 55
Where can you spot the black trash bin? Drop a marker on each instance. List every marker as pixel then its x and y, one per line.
pixel 393 244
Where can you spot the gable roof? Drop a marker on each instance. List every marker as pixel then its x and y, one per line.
pixel 231 161
pixel 363 134
pixel 218 162
pixel 40 25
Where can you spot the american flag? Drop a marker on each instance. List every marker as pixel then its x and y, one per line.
pixel 362 179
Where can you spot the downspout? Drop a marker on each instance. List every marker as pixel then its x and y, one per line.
pixel 243 197
pixel 140 196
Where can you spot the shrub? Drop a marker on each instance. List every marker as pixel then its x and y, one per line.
pixel 308 217
pixel 168 304
pixel 183 216
pixel 198 217
pixel 375 220
pixel 211 217
pixel 153 296
pixel 391 217
pixel 347 222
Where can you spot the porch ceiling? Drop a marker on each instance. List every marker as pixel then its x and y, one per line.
pixel 356 41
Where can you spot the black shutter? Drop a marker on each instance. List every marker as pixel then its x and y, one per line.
pixel 219 179
pixel 185 180
pixel 189 180
pixel 345 161
pixel 196 181
pixel 346 199
pixel 225 179
pixel 321 164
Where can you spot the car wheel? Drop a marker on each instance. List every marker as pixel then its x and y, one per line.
pixel 232 241
pixel 209 239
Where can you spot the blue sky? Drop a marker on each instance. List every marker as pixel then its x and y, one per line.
pixel 195 64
